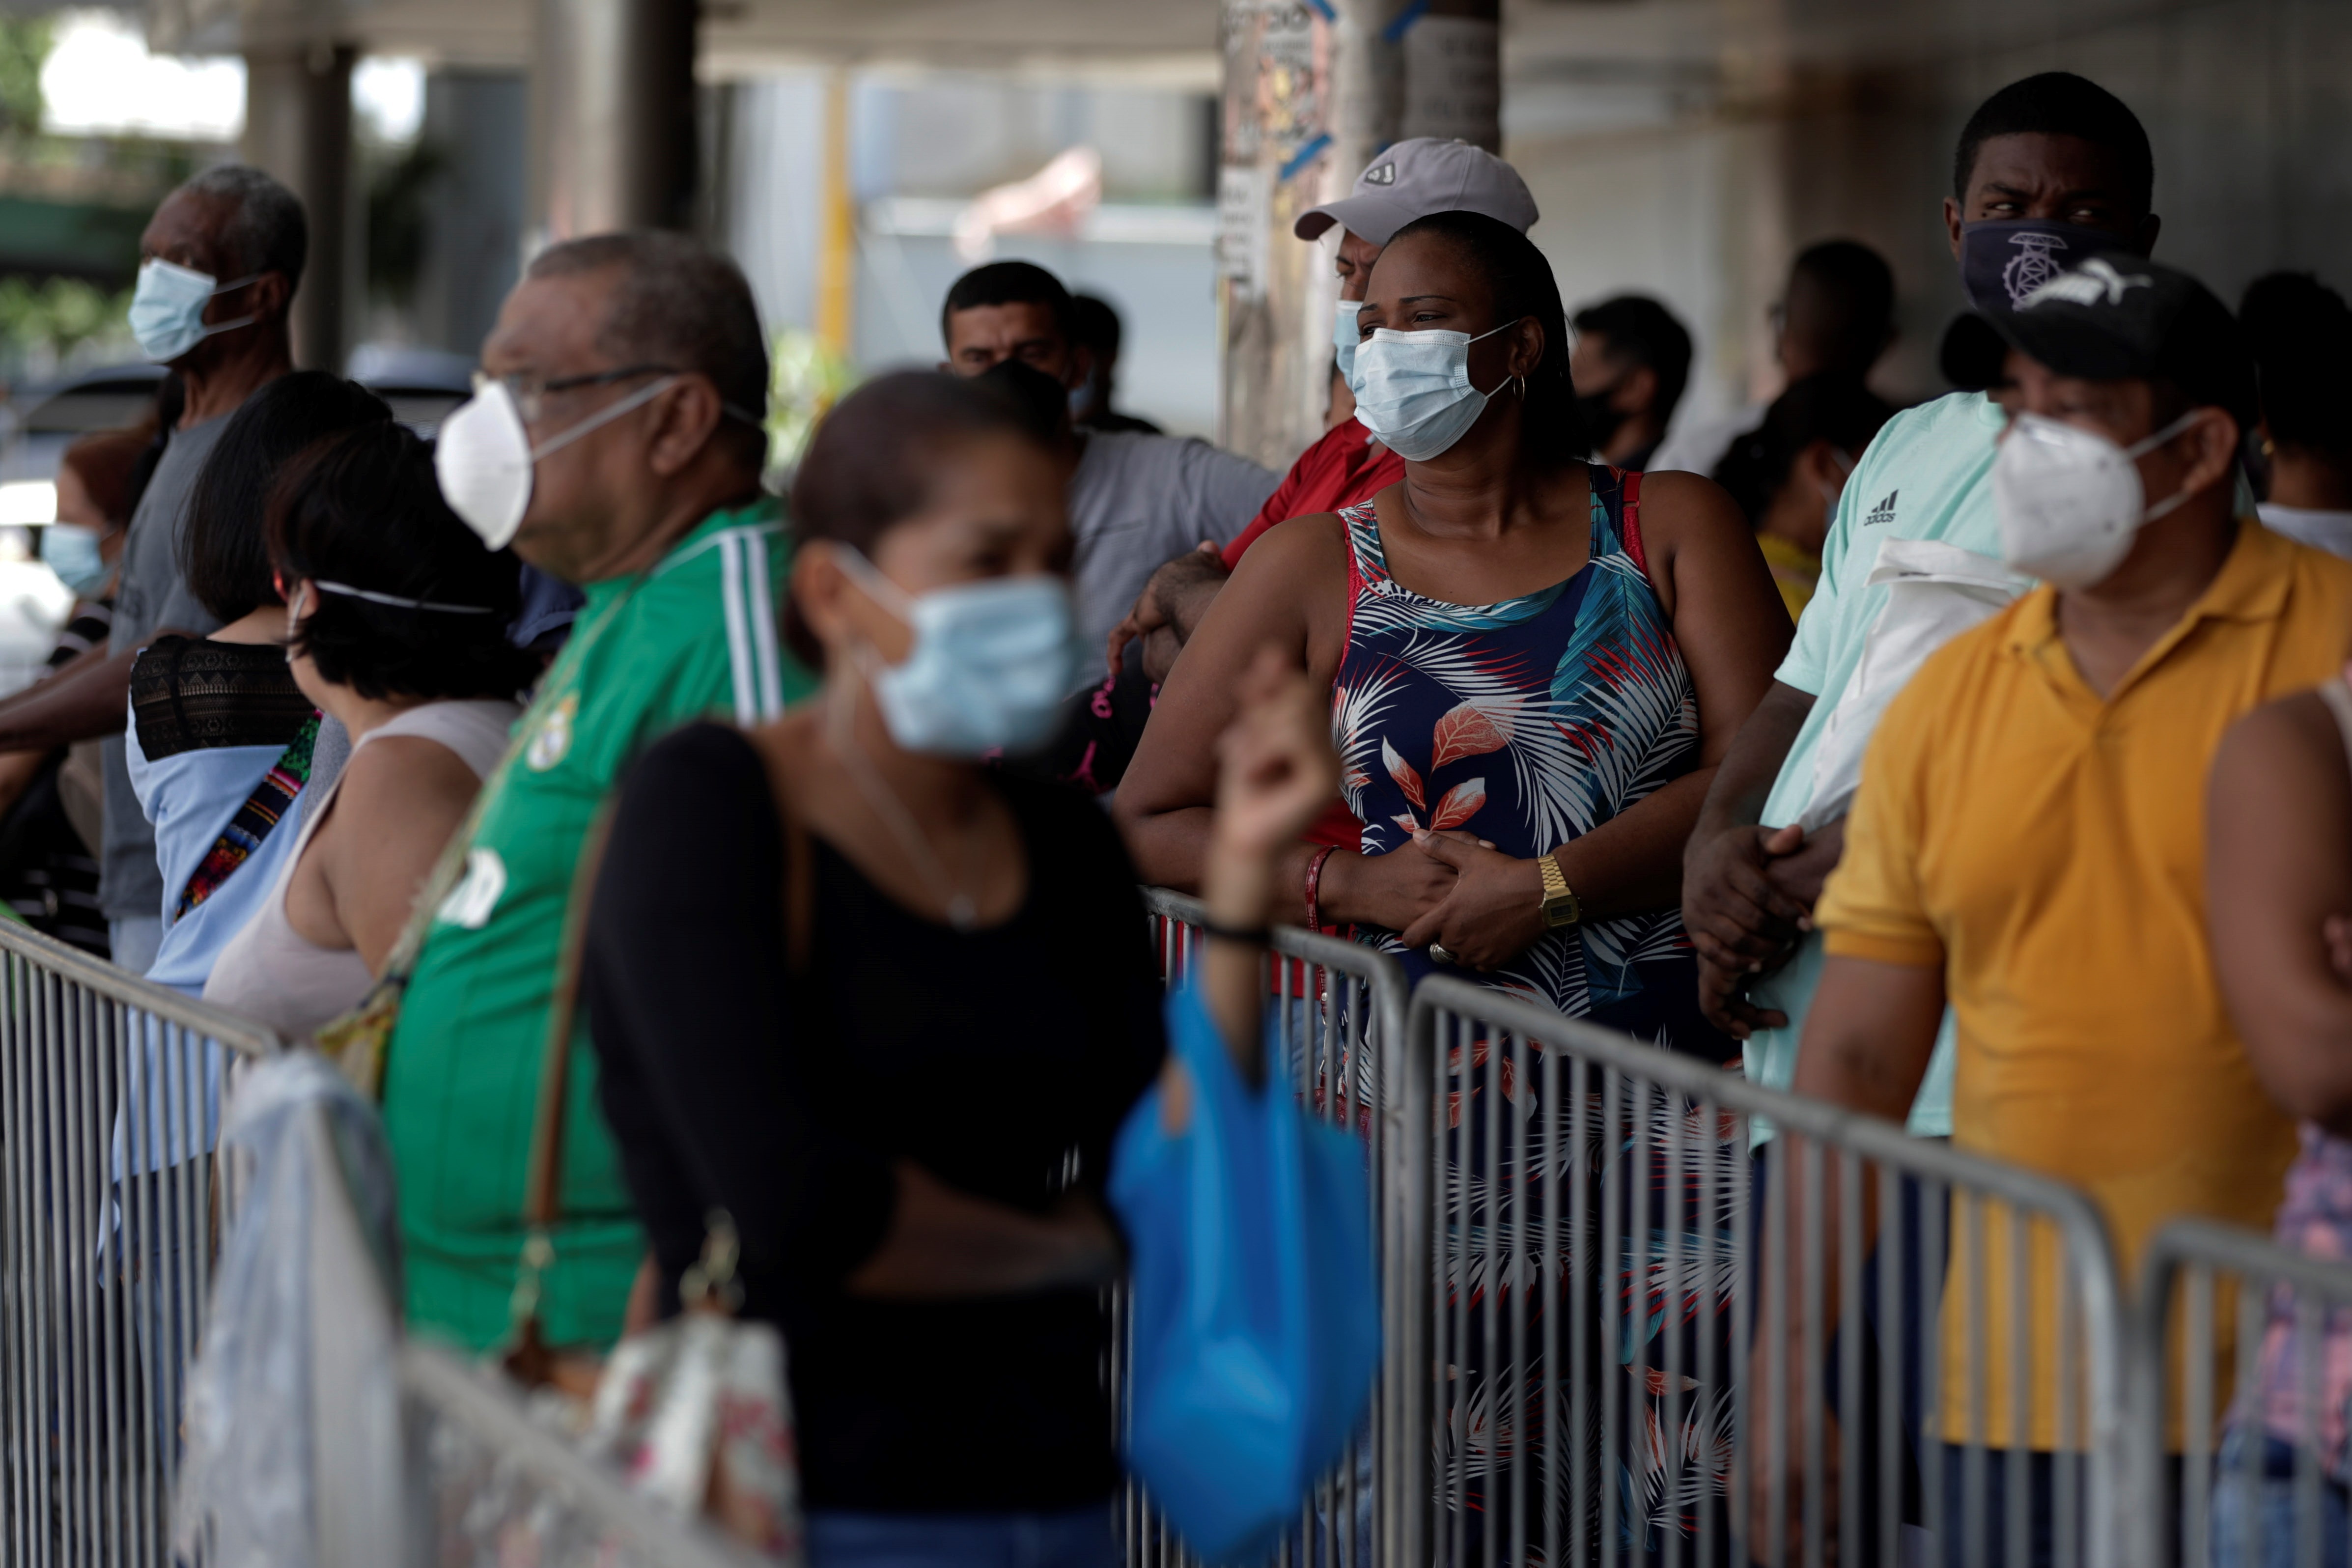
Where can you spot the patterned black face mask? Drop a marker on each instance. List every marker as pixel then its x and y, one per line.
pixel 2002 263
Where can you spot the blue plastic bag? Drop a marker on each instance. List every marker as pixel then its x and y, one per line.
pixel 1256 1305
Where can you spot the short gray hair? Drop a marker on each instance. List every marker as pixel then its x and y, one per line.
pixel 264 230
pixel 677 303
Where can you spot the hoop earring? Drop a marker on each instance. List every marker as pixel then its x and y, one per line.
pixel 1522 382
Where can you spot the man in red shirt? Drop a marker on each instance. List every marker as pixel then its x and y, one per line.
pixel 1409 180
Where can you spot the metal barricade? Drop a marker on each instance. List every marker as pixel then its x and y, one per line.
pixel 2237 1370
pixel 1594 1243
pixel 110 1092
pixel 492 1487
pixel 1339 1011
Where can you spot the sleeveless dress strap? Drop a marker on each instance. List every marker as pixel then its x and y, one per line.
pixel 1629 521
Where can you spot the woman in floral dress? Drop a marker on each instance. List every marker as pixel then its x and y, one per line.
pixel 1529 656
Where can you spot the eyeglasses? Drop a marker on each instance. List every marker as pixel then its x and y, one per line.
pixel 530 392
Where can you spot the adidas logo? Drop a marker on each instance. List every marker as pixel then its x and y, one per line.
pixel 1883 512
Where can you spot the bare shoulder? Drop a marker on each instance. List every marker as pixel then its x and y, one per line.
pixel 403 779
pixel 1315 544
pixel 1678 507
pixel 2292 743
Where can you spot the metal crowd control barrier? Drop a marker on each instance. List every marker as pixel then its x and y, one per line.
pixel 110 1096
pixel 1593 1257
pixel 2234 1352
pixel 1339 1011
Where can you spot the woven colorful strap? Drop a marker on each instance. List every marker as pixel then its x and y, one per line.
pixel 262 811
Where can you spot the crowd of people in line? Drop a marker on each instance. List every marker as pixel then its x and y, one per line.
pixel 1866 747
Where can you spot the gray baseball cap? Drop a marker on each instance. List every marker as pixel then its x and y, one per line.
pixel 1413 179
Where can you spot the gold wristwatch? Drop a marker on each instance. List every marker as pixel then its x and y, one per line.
pixel 1559 905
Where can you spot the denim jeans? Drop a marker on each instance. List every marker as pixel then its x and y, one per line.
pixel 2264 1501
pixel 1073 1538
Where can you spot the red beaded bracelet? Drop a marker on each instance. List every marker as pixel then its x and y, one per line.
pixel 1314 887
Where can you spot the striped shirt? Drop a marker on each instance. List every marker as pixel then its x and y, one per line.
pixel 695 638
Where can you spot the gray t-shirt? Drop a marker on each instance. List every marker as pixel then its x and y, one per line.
pixel 152 597
pixel 1137 500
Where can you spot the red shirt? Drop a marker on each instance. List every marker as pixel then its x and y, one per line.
pixel 1341 469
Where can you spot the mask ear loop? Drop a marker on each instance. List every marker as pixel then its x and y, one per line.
pixel 2147 444
pixel 604 417
pixel 293 611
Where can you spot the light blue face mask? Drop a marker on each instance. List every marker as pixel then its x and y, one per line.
pixel 71 551
pixel 167 309
pixel 1413 391
pixel 991 662
pixel 1344 338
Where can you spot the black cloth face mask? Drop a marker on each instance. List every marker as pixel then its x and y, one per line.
pixel 2002 263
pixel 1601 421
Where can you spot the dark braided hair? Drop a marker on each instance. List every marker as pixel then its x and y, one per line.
pixel 1511 266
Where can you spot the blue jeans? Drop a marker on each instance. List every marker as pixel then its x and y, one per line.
pixel 2265 1501
pixel 1075 1538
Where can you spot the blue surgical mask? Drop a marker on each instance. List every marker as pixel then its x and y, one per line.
pixel 167 309
pixel 1344 338
pixel 1413 391
pixel 71 551
pixel 991 662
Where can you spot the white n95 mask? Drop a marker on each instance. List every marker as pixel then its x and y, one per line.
pixel 483 456
pixel 167 309
pixel 1413 391
pixel 1344 338
pixel 2070 501
pixel 991 664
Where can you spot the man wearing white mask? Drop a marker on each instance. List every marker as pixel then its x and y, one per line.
pixel 219 264
pixel 615 442
pixel 2028 842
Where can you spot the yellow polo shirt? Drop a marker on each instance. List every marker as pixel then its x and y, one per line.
pixel 2046 849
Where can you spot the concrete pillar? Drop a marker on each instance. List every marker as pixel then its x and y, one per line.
pixel 612 123
pixel 475 212
pixel 298 127
pixel 1312 89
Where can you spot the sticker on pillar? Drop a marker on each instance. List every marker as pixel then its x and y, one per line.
pixel 553 739
pixel 476 896
pixel 1243 224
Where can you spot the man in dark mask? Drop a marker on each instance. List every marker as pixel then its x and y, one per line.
pixel 1630 364
pixel 2053 165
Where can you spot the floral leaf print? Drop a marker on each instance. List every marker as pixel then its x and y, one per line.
pixel 1460 804
pixel 1402 771
pixel 1467 730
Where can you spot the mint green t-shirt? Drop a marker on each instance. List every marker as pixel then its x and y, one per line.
pixel 694 637
pixel 1927 475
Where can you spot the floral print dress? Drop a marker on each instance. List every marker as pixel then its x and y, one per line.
pixel 1529 722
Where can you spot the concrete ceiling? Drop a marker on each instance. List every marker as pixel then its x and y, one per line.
pixel 1731 41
